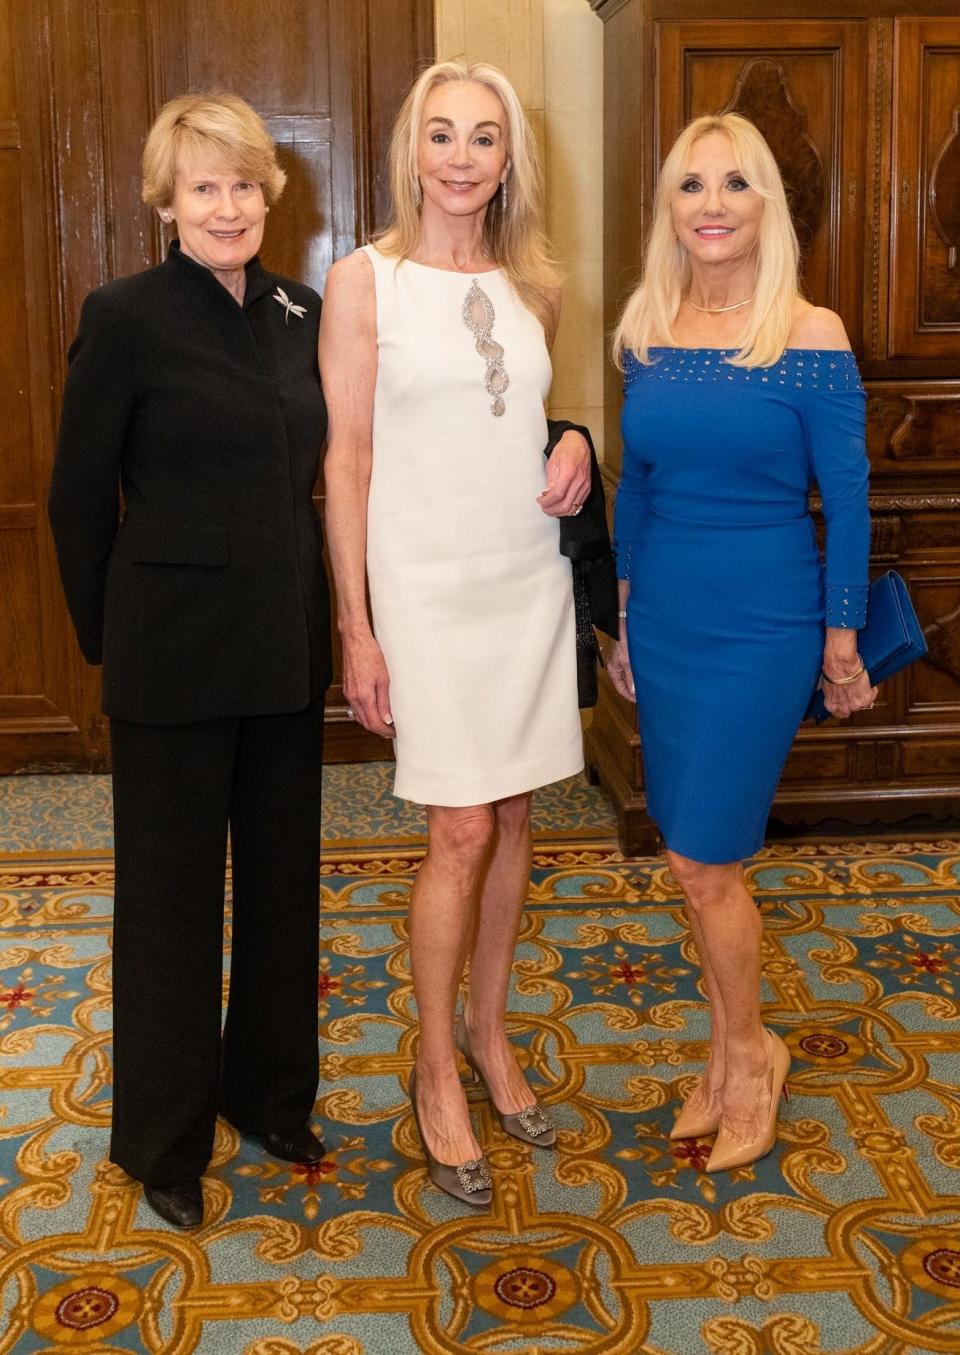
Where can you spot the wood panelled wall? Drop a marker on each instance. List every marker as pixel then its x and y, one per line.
pixel 860 102
pixel 80 84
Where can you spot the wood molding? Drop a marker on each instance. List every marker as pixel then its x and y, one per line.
pixel 607 8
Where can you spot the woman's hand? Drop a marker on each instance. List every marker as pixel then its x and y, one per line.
pixel 366 685
pixel 843 701
pixel 841 660
pixel 619 671
pixel 568 477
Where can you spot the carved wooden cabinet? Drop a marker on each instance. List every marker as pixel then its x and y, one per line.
pixel 861 106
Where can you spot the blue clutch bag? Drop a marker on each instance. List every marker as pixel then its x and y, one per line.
pixel 891 637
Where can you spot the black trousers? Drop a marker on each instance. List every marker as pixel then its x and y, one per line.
pixel 176 790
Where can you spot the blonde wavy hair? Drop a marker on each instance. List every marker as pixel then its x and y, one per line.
pixel 649 313
pixel 215 126
pixel 513 237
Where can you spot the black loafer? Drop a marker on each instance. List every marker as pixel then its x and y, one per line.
pixel 180 1205
pixel 295 1145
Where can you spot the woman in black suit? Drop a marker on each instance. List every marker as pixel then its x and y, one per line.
pixel 194 388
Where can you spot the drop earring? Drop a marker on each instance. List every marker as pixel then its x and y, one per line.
pixel 503 191
pixel 417 193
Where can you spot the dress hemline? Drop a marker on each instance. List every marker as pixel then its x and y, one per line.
pixel 509 781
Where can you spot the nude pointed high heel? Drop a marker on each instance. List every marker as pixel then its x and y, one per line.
pixel 529 1125
pixel 729 1149
pixel 693 1123
pixel 469 1182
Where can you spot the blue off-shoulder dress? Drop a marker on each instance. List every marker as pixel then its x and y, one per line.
pixel 728 594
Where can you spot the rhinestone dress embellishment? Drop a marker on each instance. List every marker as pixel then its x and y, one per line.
pixel 479 317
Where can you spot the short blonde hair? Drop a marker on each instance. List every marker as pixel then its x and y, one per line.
pixel 513 236
pixel 649 313
pixel 216 126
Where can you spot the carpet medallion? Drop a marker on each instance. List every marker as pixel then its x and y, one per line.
pixel 845 1239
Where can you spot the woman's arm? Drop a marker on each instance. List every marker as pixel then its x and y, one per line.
pixel 835 427
pixel 568 470
pixel 84 502
pixel 618 658
pixel 629 516
pixel 348 369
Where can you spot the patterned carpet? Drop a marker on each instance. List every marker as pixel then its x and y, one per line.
pixel 846 1239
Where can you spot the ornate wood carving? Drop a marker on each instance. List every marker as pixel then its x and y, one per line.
pixel 943 642
pixel 925 277
pixel 886 530
pixel 916 502
pixel 914 422
pixel 762 94
pixel 876 253
pixel 944 191
pixel 930 429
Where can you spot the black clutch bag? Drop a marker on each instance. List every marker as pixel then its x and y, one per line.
pixel 890 640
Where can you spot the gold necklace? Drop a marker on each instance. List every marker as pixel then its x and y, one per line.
pixel 719 310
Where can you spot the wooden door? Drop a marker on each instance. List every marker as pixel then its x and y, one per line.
pixel 79 87
pixel 47 696
pixel 925 243
pixel 801 83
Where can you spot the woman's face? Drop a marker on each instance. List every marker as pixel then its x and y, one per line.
pixel 462 154
pixel 219 216
pixel 716 214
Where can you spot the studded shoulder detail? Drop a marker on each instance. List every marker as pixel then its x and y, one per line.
pixel 798 369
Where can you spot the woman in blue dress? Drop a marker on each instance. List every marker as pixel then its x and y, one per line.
pixel 739 394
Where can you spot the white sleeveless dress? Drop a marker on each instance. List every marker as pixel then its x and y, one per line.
pixel 472 601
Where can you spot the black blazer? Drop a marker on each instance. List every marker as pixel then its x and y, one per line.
pixel 210 599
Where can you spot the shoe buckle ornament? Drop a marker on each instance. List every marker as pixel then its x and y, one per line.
pixel 534 1121
pixel 474 1176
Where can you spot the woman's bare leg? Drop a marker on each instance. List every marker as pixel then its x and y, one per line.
pixel 730 936
pixel 708 1095
pixel 442 911
pixel 502 898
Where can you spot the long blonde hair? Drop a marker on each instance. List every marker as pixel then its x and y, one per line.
pixel 649 313
pixel 513 236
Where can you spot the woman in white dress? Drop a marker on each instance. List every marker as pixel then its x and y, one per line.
pixel 435 368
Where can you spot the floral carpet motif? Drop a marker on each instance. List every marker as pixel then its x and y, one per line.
pixel 61 812
pixel 845 1239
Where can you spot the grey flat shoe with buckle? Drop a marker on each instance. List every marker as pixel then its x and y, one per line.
pixel 529 1125
pixel 469 1182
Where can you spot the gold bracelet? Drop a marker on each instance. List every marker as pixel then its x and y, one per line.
pixel 844 682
